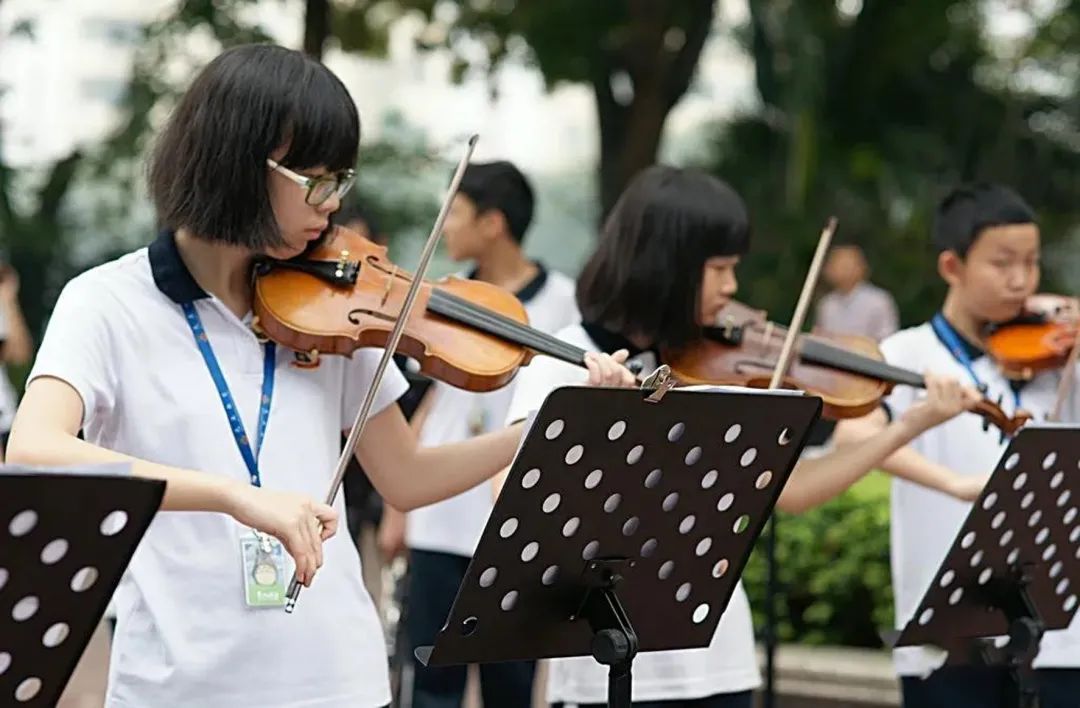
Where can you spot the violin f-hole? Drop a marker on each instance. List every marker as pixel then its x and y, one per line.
pixel 354 315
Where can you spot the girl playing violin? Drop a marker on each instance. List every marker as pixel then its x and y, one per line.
pixel 664 267
pixel 153 357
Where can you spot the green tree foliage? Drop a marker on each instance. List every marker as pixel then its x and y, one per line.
pixel 833 561
pixel 38 228
pixel 638 56
pixel 870 117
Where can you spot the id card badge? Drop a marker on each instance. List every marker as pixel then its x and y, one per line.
pixel 267 568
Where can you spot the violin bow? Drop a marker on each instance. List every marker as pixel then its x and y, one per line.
pixel 391 346
pixel 1067 377
pixel 782 365
pixel 787 352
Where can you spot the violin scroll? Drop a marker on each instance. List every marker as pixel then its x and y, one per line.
pixel 993 414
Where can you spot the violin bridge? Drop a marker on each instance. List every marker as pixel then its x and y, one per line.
pixel 389 285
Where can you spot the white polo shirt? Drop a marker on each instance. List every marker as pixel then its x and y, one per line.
pixel 455 525
pixel 184 634
pixel 925 522
pixel 727 665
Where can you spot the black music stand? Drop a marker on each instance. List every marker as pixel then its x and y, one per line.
pixel 1013 570
pixel 66 537
pixel 623 526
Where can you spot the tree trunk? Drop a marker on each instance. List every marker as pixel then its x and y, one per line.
pixel 630 134
pixel 629 141
pixel 38 248
pixel 316 27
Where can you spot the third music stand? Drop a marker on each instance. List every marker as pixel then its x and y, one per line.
pixel 1013 570
pixel 623 526
pixel 66 537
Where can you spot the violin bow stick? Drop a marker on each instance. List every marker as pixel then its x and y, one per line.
pixel 797 320
pixel 391 345
pixel 783 363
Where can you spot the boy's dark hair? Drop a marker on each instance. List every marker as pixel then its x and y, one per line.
pixel 645 277
pixel 969 209
pixel 500 186
pixel 208 171
pixel 353 210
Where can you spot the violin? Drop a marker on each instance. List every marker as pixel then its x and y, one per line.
pixel 848 372
pixel 1040 339
pixel 345 293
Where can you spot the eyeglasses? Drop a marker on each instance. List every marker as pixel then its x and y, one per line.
pixel 319 189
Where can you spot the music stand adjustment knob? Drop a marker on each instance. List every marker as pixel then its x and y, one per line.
pixel 610 646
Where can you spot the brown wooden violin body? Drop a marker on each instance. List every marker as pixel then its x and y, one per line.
pixel 848 373
pixel 345 294
pixel 1039 340
pixel 744 348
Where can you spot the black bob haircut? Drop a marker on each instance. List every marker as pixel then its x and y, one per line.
pixel 500 186
pixel 968 209
pixel 208 171
pixel 645 277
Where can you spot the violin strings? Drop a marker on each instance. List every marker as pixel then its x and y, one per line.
pixel 817 351
pixel 452 306
pixel 516 331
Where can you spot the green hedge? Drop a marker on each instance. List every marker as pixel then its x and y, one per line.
pixel 833 566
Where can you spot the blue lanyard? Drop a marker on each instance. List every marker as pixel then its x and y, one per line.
pixel 251 459
pixel 948 335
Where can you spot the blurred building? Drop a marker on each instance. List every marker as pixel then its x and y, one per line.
pixel 65 76
pixel 64 71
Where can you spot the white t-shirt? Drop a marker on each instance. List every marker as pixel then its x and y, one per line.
pixel 455 525
pixel 925 522
pixel 184 634
pixel 727 665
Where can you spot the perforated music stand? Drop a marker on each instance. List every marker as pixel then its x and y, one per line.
pixel 65 540
pixel 623 526
pixel 1014 568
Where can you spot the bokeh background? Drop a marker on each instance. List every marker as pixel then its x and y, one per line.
pixel 863 109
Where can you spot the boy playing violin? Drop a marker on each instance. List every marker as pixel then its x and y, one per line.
pixel 487 223
pixel 988 253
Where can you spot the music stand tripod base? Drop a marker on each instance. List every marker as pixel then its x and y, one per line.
pixel 1013 570
pixel 623 526
pixel 65 541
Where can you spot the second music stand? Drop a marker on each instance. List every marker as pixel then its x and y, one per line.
pixel 623 526
pixel 1013 570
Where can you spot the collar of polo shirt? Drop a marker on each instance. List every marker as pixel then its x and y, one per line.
pixel 171 275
